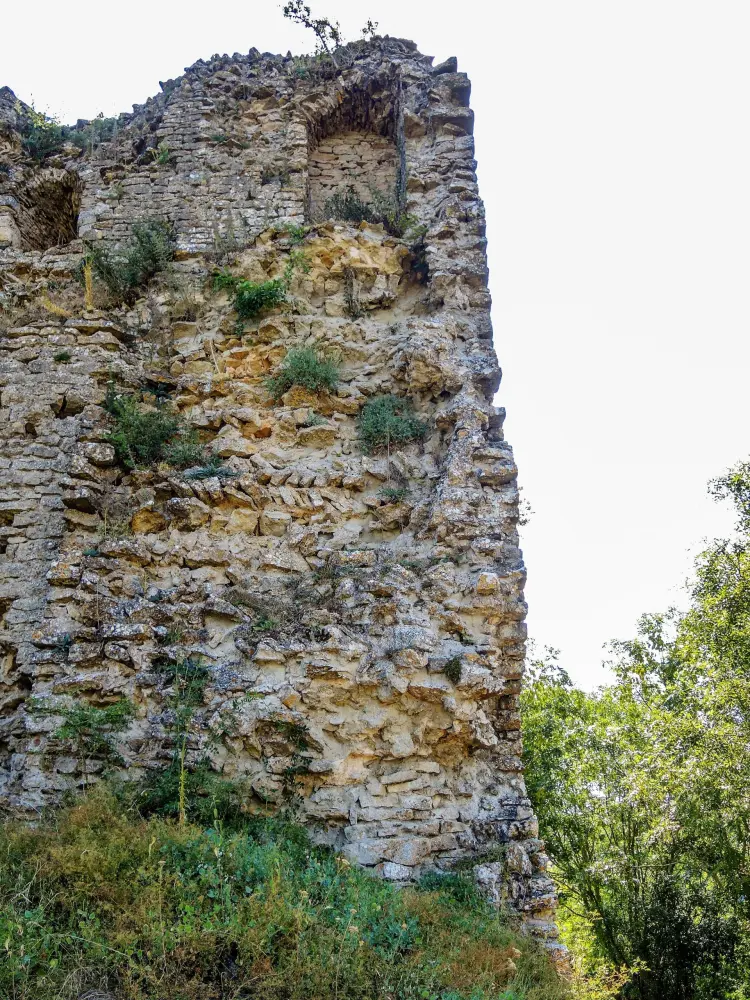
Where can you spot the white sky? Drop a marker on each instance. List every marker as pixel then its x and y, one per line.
pixel 614 160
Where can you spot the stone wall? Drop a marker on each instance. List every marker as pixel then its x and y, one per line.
pixel 358 160
pixel 360 616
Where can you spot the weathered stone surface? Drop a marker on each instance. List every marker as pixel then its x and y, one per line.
pixel 329 591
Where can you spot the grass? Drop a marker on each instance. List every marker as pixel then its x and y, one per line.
pixel 388 420
pixel 62 357
pixel 96 896
pixel 306 367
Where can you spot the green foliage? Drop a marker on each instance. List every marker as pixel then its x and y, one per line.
pixel 161 154
pixel 306 367
pixel 144 437
pixel 62 357
pixel 275 172
pixel 43 136
pixel 296 234
pixel 388 420
pixel 643 787
pixel 452 669
pixel 211 468
pixel 382 209
pixel 327 33
pixel 251 298
pixel 144 909
pixel 89 732
pixel 394 494
pixel 185 449
pixel 125 273
pixel 313 419
pixel 140 436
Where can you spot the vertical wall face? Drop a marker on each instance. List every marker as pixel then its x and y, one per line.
pixel 363 606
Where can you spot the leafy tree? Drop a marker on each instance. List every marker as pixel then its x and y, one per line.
pixel 643 787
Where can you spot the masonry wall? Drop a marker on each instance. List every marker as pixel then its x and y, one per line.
pixel 356 160
pixel 317 600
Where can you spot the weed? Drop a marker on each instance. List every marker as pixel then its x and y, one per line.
pixel 91 552
pixel 275 172
pixel 452 669
pixel 126 272
pixel 313 419
pixel 382 209
pixel 97 896
pixel 296 234
pixel 389 420
pixel 62 357
pixel 145 437
pixel 306 367
pixel 219 139
pixel 394 494
pixel 43 136
pixel 252 298
pixel 161 154
pixel 184 450
pixel 173 636
pixel 212 468
pixel 88 731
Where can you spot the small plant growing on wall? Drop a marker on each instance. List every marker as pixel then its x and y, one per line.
pixel 126 272
pixel 387 421
pixel 306 367
pixel 189 789
pixel 251 298
pixel 327 32
pixel 452 669
pixel 90 732
pixel 382 209
pixel 144 437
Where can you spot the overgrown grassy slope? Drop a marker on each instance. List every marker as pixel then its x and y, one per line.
pixel 145 908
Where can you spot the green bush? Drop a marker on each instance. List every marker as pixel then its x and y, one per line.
pixel 98 897
pixel 126 272
pixel 389 420
pixel 145 437
pixel 452 669
pixel 251 298
pixel 42 136
pixel 306 367
pixel 383 209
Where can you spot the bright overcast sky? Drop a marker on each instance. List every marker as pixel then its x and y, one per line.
pixel 614 161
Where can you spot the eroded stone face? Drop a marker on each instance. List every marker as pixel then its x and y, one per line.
pixel 359 615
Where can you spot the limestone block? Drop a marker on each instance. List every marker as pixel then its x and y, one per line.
pixel 319 436
pixel 147 520
pixel 186 513
pixel 242 521
pixel 274 522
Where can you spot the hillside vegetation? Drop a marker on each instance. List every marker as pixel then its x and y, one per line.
pixel 99 897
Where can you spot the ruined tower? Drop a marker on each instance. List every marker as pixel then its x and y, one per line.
pixel 356 608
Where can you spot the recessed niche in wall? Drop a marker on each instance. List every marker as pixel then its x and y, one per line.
pixel 352 159
pixel 48 205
